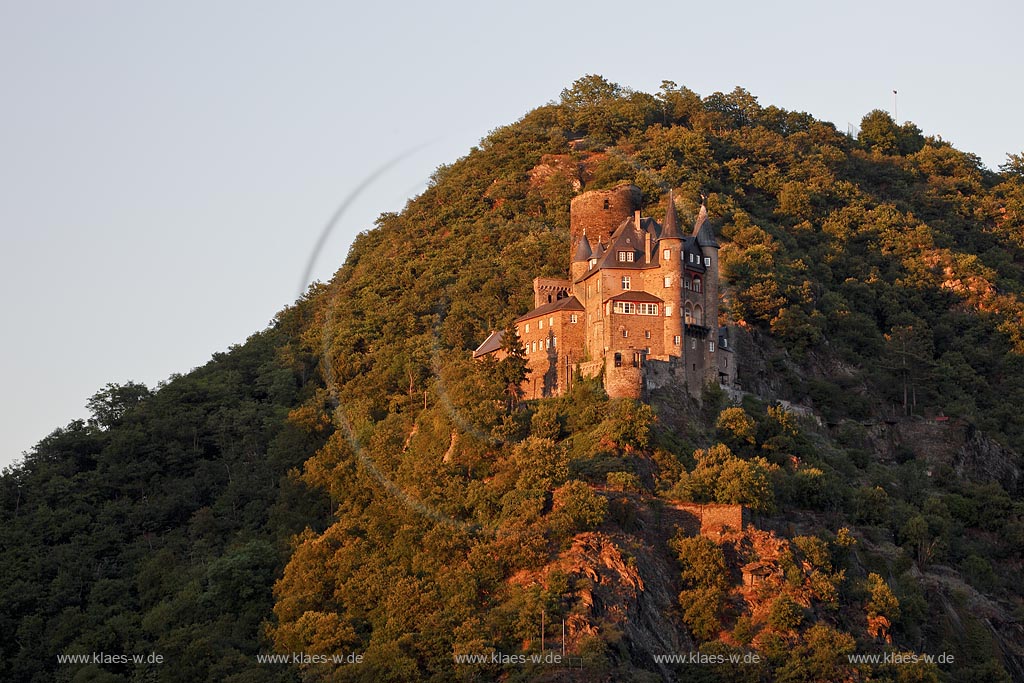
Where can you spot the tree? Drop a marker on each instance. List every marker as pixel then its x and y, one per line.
pixel 578 507
pixel 109 404
pixel 512 369
pixel 1014 165
pixel 737 429
pixel 878 132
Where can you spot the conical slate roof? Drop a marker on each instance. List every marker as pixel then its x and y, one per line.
pixel 671 227
pixel 583 252
pixel 702 231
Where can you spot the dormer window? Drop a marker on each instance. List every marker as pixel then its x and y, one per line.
pixel 593 262
pixel 625 257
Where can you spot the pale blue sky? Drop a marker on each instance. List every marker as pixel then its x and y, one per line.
pixel 166 168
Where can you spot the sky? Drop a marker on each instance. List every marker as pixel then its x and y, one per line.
pixel 167 168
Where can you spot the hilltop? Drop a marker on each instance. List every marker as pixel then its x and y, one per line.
pixel 350 480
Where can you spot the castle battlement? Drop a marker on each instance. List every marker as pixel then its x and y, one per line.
pixel 640 306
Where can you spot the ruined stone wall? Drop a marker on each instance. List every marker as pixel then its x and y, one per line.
pixel 549 289
pixel 711 519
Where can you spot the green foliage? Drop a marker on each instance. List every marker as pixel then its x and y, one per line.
pixel 623 481
pixel 881 601
pixel 578 507
pixel 737 429
pixel 876 276
pixel 785 614
pixel 721 477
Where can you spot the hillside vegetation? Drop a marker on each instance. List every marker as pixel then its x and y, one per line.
pixel 350 481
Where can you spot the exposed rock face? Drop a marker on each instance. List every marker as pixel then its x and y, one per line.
pixel 628 587
pixel 952 442
pixel 982 459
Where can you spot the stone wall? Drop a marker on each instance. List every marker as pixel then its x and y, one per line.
pixel 625 381
pixel 600 212
pixel 711 519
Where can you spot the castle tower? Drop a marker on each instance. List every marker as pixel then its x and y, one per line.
pixel 581 259
pixel 600 212
pixel 671 261
pixel 705 239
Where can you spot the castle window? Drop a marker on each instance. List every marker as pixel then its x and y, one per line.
pixel 698 315
pixel 696 284
pixel 540 324
pixel 625 282
pixel 707 262
pixel 636 360
pixel 648 309
pixel 668 310
pixel 625 333
pixel 624 307
pixel 573 319
pixel 668 280
pixel 554 342
pixel 618 360
pixel 647 334
pixel 551 321
pixel 625 256
pixel 607 204
pixel 688 285
pixel 666 254
pixel 711 347
pixel 676 340
pixel 693 345
pixel 548 343
pixel 534 349
pixel 527 327
pixel 688 315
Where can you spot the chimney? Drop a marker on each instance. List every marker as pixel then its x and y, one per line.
pixel 647 247
pixel 636 219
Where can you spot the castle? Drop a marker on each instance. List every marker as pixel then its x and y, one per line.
pixel 640 305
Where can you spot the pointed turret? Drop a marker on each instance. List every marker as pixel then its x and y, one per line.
pixel 671 228
pixel 581 260
pixel 670 268
pixel 583 251
pixel 702 231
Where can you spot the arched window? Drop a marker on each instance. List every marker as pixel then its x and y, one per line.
pixel 688 314
pixel 696 284
pixel 698 315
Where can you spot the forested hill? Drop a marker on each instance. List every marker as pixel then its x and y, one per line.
pixel 350 482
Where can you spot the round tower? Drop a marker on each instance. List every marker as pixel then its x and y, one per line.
pixel 600 212
pixel 581 259
pixel 705 236
pixel 670 268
